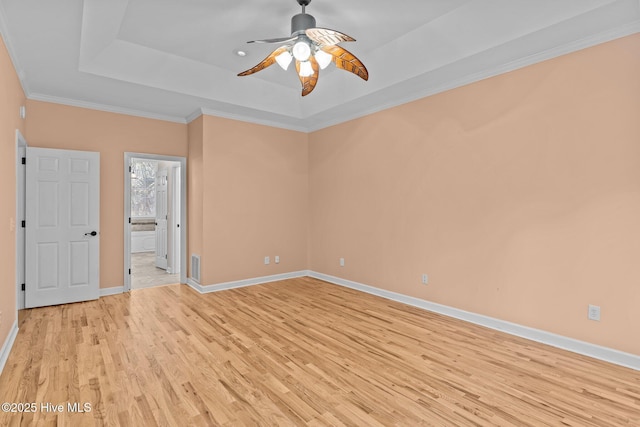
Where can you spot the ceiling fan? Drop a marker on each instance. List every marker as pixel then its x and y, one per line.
pixel 313 49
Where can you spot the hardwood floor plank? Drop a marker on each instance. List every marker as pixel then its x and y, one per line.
pixel 296 352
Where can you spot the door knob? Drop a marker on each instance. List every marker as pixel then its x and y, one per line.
pixel 93 233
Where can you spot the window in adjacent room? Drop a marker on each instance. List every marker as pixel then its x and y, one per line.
pixel 143 191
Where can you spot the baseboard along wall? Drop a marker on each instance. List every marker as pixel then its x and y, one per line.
pixel 587 349
pixel 7 345
pixel 581 347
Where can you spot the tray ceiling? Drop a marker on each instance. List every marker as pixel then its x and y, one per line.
pixel 175 59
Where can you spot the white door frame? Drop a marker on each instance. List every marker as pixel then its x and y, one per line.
pixel 175 220
pixel 127 212
pixel 21 152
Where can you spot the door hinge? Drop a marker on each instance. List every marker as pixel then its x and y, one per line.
pixel 129 220
pixel 129 271
pixel 24 160
pixel 24 224
pixel 23 286
pixel 129 169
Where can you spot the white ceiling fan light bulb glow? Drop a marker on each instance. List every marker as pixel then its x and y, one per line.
pixel 284 59
pixel 301 51
pixel 323 58
pixel 306 69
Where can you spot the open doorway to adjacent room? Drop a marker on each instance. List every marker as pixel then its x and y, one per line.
pixel 154 223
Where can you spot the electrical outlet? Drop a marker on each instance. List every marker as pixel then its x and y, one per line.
pixel 341 262
pixel 594 312
pixel 425 279
pixel 267 260
pixel 277 259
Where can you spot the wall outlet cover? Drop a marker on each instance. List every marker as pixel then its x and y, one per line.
pixel 594 312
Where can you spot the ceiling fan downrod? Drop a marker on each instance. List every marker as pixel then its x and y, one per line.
pixel 302 21
pixel 304 3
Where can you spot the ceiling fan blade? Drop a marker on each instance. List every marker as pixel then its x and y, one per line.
pixel 269 60
pixel 347 61
pixel 278 40
pixel 309 83
pixel 327 37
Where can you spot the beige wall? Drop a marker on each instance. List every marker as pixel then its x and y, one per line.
pixel 519 196
pixel 11 98
pixel 71 128
pixel 254 199
pixel 195 191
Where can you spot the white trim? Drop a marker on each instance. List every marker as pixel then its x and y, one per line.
pixel 254 120
pixel 316 122
pixel 21 151
pixel 245 282
pixel 8 344
pixel 592 350
pixel 104 107
pixel 191 117
pixel 105 292
pixel 575 46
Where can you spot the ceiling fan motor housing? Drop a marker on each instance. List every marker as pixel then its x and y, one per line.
pixel 301 22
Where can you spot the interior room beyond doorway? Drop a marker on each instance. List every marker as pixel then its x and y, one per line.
pixel 155 222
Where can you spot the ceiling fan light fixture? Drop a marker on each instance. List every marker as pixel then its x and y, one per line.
pixel 306 70
pixel 284 59
pixel 301 51
pixel 323 58
pixel 313 48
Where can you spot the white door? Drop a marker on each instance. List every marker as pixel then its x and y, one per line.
pixel 161 218
pixel 62 226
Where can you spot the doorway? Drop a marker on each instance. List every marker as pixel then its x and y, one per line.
pixel 155 220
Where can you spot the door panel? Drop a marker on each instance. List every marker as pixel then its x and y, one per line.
pixel 62 209
pixel 161 218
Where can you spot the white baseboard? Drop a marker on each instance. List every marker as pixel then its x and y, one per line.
pixel 598 352
pixel 8 344
pixel 111 291
pixel 245 282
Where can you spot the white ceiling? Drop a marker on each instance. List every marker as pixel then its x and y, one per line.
pixel 174 59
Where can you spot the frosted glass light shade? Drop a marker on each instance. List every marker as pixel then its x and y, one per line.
pixel 323 59
pixel 301 51
pixel 306 69
pixel 284 59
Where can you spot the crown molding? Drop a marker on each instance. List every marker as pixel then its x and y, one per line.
pixel 316 122
pixel 575 46
pixel 104 107
pixel 253 119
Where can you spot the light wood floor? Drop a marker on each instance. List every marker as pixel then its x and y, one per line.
pixel 145 274
pixel 297 352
